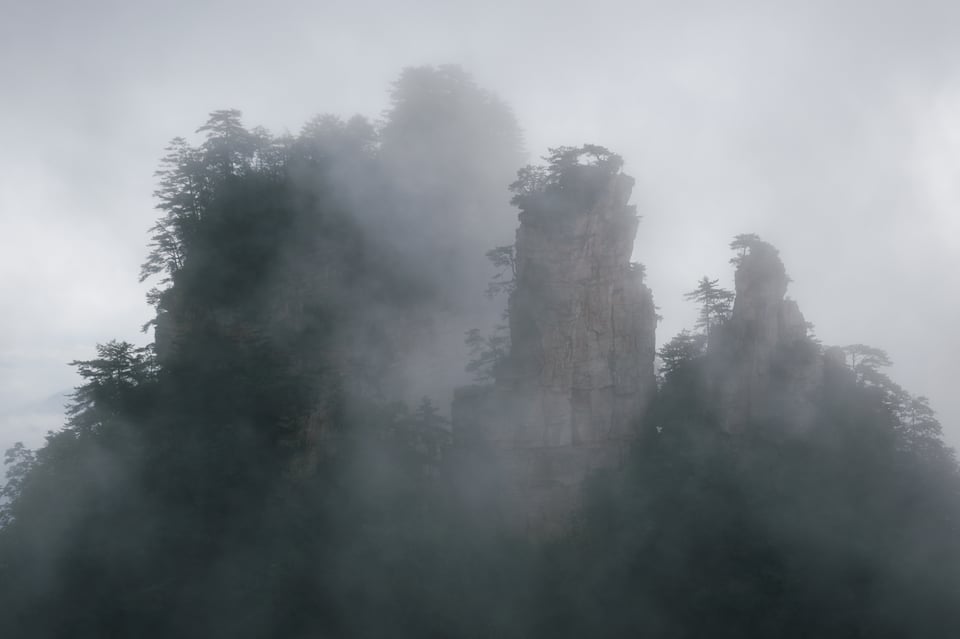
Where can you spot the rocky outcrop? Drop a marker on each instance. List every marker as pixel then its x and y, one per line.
pixel 581 367
pixel 763 366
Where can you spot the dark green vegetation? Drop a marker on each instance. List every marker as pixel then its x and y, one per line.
pixel 249 475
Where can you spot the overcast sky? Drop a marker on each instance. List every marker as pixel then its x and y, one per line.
pixel 832 129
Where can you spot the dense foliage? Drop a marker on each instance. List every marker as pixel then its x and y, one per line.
pixel 250 475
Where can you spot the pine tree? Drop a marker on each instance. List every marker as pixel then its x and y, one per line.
pixel 716 304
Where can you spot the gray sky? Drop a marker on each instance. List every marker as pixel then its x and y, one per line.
pixel 832 129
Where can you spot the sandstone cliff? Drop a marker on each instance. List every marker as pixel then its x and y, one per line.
pixel 581 367
pixel 763 366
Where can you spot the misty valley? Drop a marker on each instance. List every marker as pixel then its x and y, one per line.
pixel 400 382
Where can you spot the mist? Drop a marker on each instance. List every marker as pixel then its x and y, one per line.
pixel 826 129
pixel 324 421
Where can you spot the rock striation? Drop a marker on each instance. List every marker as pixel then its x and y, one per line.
pixel 580 372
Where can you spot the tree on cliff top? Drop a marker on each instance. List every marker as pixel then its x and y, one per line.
pixel 560 162
pixel 570 177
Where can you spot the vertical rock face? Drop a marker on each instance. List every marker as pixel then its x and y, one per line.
pixel 581 368
pixel 763 366
pixel 581 320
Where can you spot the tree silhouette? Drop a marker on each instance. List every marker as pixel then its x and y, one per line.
pixel 682 349
pixel 716 304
